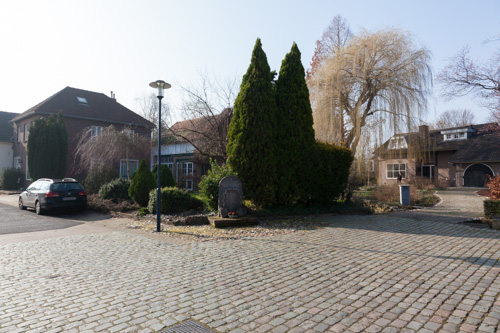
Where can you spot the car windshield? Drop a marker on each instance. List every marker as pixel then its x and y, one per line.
pixel 66 187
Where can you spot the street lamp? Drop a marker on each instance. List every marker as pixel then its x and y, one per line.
pixel 160 85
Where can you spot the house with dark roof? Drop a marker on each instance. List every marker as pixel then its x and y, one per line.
pixel 82 111
pixel 188 145
pixel 458 156
pixel 6 140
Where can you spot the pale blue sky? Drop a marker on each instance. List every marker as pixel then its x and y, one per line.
pixel 122 45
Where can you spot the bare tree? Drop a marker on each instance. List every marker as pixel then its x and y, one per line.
pixel 464 76
pixel 379 78
pixel 207 110
pixel 147 107
pixel 455 118
pixel 109 147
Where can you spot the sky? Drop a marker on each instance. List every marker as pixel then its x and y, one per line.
pixel 123 45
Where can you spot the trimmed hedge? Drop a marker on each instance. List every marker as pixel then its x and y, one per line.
pixel 329 173
pixel 11 179
pixel 173 200
pixel 491 208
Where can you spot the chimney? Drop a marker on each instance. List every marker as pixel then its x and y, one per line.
pixel 423 131
pixel 113 95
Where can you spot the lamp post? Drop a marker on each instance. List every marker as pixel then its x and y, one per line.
pixel 160 85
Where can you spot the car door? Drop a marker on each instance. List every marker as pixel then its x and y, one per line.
pixel 31 194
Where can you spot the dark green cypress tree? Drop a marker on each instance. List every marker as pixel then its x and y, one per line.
pixel 48 148
pixel 142 183
pixel 166 177
pixel 295 131
pixel 251 147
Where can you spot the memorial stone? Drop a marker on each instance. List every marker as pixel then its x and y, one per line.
pixel 230 197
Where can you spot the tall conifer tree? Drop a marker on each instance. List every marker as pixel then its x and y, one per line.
pixel 251 147
pixel 48 148
pixel 295 131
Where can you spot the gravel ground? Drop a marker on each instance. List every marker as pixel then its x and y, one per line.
pixel 266 227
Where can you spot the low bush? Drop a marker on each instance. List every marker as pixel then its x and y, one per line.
pixel 94 202
pixel 422 183
pixel 10 179
pixel 174 200
pixel 390 194
pixel 209 184
pixel 115 190
pixel 491 208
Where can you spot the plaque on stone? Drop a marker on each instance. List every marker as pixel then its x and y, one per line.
pixel 230 197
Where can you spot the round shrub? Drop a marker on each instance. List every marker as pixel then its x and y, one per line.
pixel 11 179
pixel 142 182
pixel 173 200
pixel 209 184
pixel 115 190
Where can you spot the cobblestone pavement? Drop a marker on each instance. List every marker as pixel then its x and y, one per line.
pixel 386 273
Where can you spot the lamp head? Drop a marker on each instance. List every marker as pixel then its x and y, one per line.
pixel 160 85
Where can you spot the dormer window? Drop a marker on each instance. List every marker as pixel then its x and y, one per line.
pixel 397 143
pixel 458 134
pixel 82 100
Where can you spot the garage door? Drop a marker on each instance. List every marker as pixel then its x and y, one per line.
pixel 476 175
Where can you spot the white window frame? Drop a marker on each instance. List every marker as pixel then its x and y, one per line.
pixel 394 171
pixel 187 168
pixel 18 161
pixel 25 134
pixel 95 131
pixel 123 172
pixel 18 134
pixel 189 184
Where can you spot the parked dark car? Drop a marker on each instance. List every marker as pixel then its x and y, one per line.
pixel 46 194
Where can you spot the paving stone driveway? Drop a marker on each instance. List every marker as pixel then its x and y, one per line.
pixel 386 273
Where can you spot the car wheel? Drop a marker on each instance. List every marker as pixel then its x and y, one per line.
pixel 38 208
pixel 21 205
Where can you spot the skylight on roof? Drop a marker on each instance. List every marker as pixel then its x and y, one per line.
pixel 82 100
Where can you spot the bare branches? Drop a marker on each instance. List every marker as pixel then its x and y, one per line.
pixel 106 149
pixel 207 109
pixel 455 118
pixel 463 76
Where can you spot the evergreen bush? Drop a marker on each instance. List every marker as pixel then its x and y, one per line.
pixel 11 179
pixel 142 183
pixel 166 177
pixel 209 184
pixel 173 200
pixel 115 190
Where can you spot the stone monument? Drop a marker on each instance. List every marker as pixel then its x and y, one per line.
pixel 230 197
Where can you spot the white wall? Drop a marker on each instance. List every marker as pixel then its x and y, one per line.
pixel 6 155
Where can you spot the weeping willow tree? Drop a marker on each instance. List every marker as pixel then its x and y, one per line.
pixel 367 85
